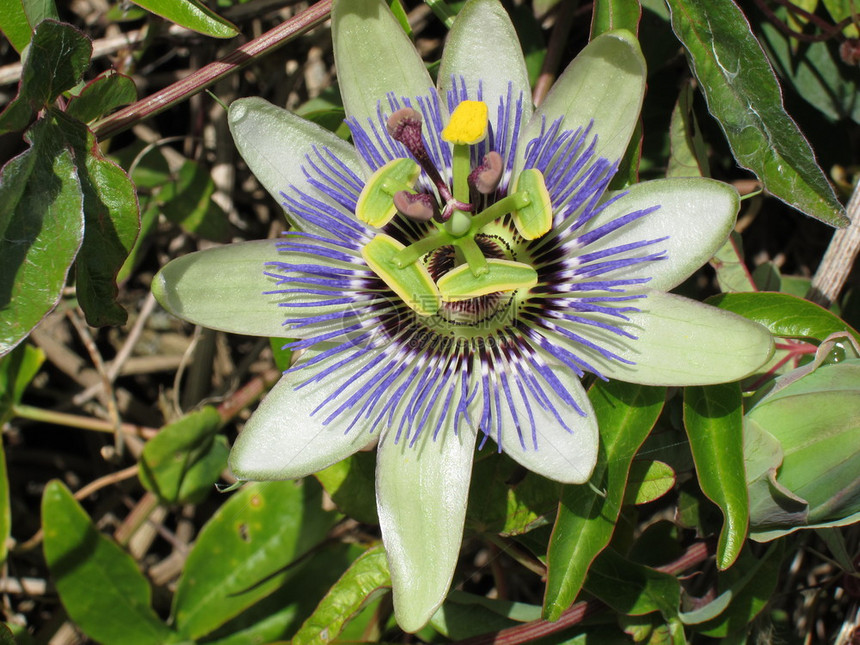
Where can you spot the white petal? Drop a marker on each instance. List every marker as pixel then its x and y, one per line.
pixel 606 83
pixel 679 342
pixel 374 56
pixel 276 143
pixel 564 454
pixel 484 51
pixel 223 288
pixel 421 494
pixel 284 439
pixel 696 214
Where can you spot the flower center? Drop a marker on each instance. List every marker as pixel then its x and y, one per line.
pixel 475 273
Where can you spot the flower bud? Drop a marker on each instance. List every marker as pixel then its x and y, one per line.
pixel 802 449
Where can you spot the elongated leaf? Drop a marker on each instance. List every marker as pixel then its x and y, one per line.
pixel 633 589
pixel 182 462
pixel 99 584
pixel 744 97
pixel 41 230
pixel 245 551
pixel 784 315
pixel 191 14
pixel 625 413
pixel 17 369
pixel 101 95
pixel 615 14
pixel 732 273
pixel 367 575
pixel 713 417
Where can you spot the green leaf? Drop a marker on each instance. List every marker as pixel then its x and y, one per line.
pixel 633 589
pixel 625 414
pixel 41 230
pixel 609 15
pixel 743 592
pixel 365 577
pixel 99 584
pixel 246 551
pixel 744 97
pixel 713 417
pixel 183 461
pixel 839 10
pixel 504 498
pixel 732 273
pixel 5 507
pixel 648 480
pixel 14 24
pixel 784 315
pixel 191 14
pixel 187 201
pixel 57 58
pixel 17 369
pixel 112 223
pixel 107 91
pixel 689 157
pixel 351 485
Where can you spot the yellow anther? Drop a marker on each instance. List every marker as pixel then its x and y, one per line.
pixel 468 124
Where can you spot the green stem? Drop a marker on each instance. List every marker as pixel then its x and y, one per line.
pixel 442 11
pixel 502 207
pixel 461 167
pixel 411 253
pixel 474 255
pixel 78 421
pixel 201 79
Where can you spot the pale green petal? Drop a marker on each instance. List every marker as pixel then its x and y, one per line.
pixel 284 439
pixel 696 214
pixel 483 50
pixel 374 56
pixel 421 494
pixel 561 455
pixel 275 144
pixel 679 342
pixel 222 288
pixel 605 82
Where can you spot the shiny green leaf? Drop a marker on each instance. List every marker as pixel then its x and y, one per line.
pixel 713 417
pixel 364 578
pixel 744 97
pixel 41 230
pixel 784 315
pixel 107 91
pixel 585 523
pixel 191 14
pixel 244 552
pixel 183 461
pixel 99 584
pixel 648 480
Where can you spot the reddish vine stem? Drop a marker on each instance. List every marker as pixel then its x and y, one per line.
pixel 527 632
pixel 213 72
